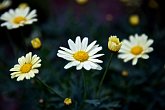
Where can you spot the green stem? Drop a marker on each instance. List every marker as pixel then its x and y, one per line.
pixel 13 46
pixel 105 72
pixel 84 82
pixel 49 88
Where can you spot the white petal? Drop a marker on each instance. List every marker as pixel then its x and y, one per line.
pixel 69 58
pixel 30 15
pixel 28 57
pixel 70 64
pixel 20 78
pixel 72 45
pixel 36 65
pixel 67 50
pixel 145 56
pixel 96 60
pixel 91 46
pixel 96 56
pixel 64 53
pixel 78 67
pixel 126 43
pixel 128 58
pixel 94 51
pixel 150 49
pixel 134 61
pixel 93 65
pixel 78 43
pixel 21 60
pixel 86 66
pixel 84 43
pixel 149 43
pixel 35 71
pixel 98 67
pixel 14 73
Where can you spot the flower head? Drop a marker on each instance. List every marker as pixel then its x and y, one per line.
pixel 5 4
pixel 68 101
pixel 134 20
pixel 36 43
pixel 26 67
pixel 137 47
pixel 81 54
pixel 81 2
pixel 114 44
pixel 18 17
pixel 23 5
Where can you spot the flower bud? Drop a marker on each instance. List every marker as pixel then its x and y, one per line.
pixel 114 44
pixel 36 43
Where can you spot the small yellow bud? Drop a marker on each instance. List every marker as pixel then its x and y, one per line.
pixel 114 44
pixel 36 43
pixel 81 2
pixel 68 101
pixel 134 20
pixel 124 73
pixel 5 4
pixel 23 5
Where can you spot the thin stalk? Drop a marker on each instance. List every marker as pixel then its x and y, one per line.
pixel 13 46
pixel 105 72
pixel 84 82
pixel 49 88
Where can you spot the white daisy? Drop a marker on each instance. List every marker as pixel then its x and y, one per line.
pixel 81 54
pixel 5 4
pixel 18 17
pixel 137 47
pixel 26 67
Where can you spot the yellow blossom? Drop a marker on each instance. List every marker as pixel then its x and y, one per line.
pixel 114 44
pixel 124 73
pixel 81 2
pixel 36 43
pixel 134 20
pixel 23 5
pixel 68 101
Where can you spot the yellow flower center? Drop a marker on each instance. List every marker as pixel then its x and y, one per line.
pixel 136 50
pixel 26 68
pixel 81 56
pixel 19 19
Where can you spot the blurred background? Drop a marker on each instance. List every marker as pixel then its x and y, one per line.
pixel 126 87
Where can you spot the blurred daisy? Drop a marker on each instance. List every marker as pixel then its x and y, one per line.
pixel 5 4
pixel 18 17
pixel 81 2
pixel 26 67
pixel 81 54
pixel 137 47
pixel 134 20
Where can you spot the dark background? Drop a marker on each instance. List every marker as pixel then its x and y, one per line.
pixel 59 20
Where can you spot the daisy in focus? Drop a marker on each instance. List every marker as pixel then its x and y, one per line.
pixel 81 54
pixel 136 47
pixel 26 67
pixel 18 17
